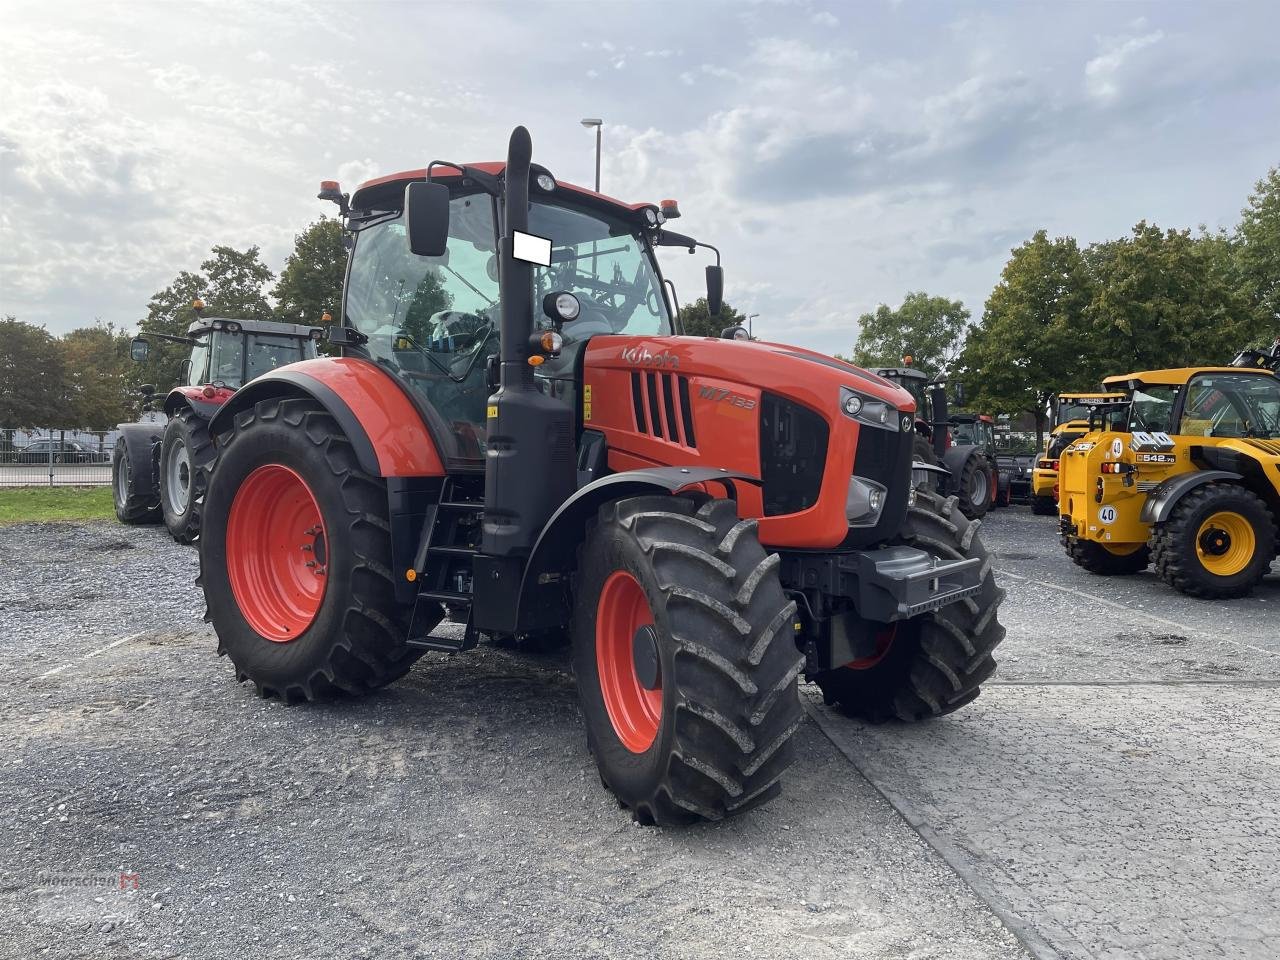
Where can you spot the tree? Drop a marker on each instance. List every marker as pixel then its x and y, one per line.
pixel 696 319
pixel 1031 343
pixel 311 281
pixel 96 378
pixel 1258 250
pixel 234 284
pixel 429 297
pixel 30 375
pixel 1163 298
pixel 928 329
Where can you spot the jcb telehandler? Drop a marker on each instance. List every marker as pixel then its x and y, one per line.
pixel 1189 480
pixel 156 470
pixel 513 430
pixel 1070 422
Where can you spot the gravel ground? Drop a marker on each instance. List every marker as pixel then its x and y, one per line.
pixel 1111 795
pixel 455 814
pixel 1115 789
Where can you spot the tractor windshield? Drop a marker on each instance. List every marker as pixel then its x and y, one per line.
pixel 605 262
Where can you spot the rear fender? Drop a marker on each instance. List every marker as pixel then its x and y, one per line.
pixel 386 432
pixel 205 401
pixel 544 595
pixel 1162 500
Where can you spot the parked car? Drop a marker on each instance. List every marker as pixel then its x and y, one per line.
pixel 64 451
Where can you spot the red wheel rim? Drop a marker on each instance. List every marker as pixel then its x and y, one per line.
pixel 276 553
pixel 884 642
pixel 634 711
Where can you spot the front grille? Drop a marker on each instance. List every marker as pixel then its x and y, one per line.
pixel 793 454
pixel 884 456
pixel 654 401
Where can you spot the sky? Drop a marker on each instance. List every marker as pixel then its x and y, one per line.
pixel 839 155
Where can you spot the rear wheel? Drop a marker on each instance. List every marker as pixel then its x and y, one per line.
pixel 1218 543
pixel 1044 506
pixel 685 659
pixel 1107 559
pixel 937 662
pixel 295 558
pixel 974 490
pixel 184 454
pixel 132 492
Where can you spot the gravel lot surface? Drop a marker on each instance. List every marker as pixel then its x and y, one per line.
pixel 1116 788
pixel 1111 795
pixel 455 814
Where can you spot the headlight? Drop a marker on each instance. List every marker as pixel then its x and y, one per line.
pixel 868 410
pixel 863 502
pixel 545 182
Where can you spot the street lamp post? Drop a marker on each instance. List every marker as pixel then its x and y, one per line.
pixel 597 123
pixel 750 317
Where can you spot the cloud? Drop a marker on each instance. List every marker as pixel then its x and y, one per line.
pixel 1102 74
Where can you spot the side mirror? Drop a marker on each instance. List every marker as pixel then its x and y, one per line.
pixel 426 217
pixel 139 347
pixel 959 394
pixel 715 289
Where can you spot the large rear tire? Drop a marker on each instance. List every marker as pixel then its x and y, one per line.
pixel 1116 561
pixel 1217 544
pixel 132 493
pixel 184 454
pixel 295 558
pixel 974 488
pixel 937 662
pixel 685 659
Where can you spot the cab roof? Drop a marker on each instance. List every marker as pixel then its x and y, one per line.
pixel 378 191
pixel 205 324
pixel 1088 395
pixel 1177 376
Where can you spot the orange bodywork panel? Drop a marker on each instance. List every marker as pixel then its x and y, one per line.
pixel 400 440
pixel 642 419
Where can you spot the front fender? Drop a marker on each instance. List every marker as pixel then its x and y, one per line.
pixel 386 432
pixel 543 599
pixel 1162 500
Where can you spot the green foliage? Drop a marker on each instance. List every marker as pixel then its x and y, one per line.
pixel 928 329
pixel 31 367
pixel 1029 346
pixel 1258 238
pixel 1166 299
pixel 696 320
pixel 311 282
pixel 429 297
pixel 96 388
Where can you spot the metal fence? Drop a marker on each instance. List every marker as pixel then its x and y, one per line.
pixel 56 457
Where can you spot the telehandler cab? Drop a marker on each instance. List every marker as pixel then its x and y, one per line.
pixel 513 430
pixel 1186 476
pixel 1070 422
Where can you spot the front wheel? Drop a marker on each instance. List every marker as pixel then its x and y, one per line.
pixel 936 662
pixel 685 660
pixel 1218 543
pixel 295 558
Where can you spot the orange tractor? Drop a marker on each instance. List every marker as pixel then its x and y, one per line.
pixel 513 432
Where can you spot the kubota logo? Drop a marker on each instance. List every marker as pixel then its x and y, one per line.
pixel 643 358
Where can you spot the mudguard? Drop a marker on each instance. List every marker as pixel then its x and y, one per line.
pixel 386 431
pixel 543 599
pixel 954 459
pixel 1162 500
pixel 205 401
pixel 142 443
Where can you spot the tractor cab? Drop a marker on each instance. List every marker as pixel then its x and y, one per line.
pixel 1073 414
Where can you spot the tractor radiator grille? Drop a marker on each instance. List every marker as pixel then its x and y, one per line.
pixel 793 454
pixel 662 408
